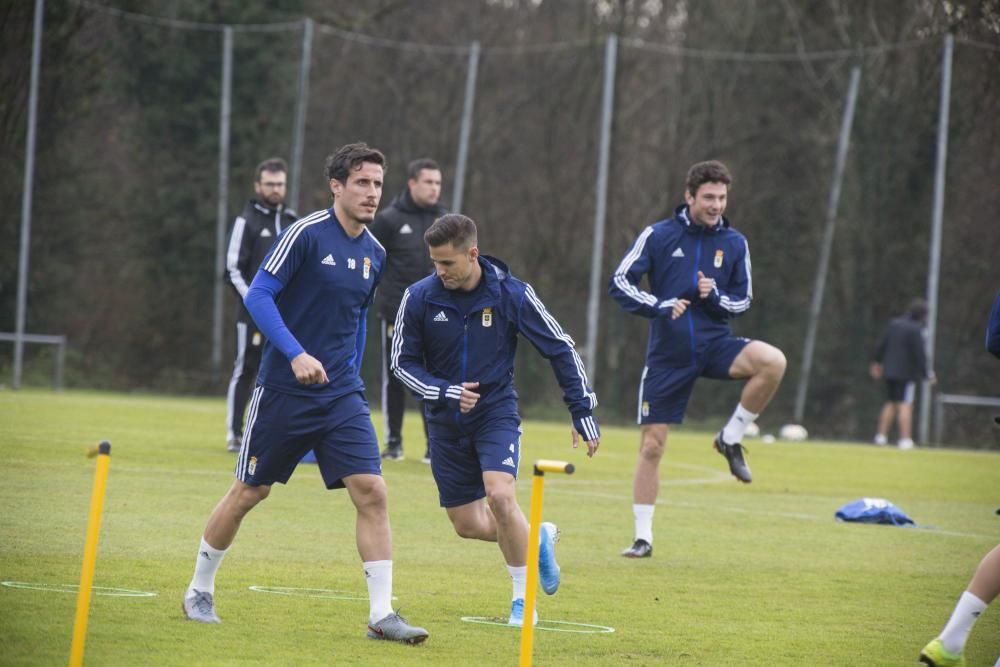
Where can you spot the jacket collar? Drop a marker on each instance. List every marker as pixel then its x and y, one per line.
pixel 404 202
pixel 265 210
pixel 681 214
pixel 494 273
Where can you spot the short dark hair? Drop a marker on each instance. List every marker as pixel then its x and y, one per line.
pixel 453 228
pixel 270 164
pixel 711 171
pixel 414 168
pixel 349 157
pixel 918 310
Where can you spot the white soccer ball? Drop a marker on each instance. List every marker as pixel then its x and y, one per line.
pixel 794 432
pixel 752 430
pixel 767 438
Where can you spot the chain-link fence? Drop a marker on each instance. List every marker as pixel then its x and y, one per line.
pixel 124 228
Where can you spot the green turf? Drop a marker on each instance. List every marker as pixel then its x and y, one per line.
pixel 741 575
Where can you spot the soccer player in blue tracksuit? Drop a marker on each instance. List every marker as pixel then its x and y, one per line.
pixel 698 268
pixel 948 649
pixel 309 298
pixel 456 334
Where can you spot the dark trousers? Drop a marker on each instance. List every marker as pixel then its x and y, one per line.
pixel 393 393
pixel 249 344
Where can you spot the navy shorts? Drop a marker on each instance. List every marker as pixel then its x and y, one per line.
pixel 461 453
pixel 664 392
pixel 281 428
pixel 900 391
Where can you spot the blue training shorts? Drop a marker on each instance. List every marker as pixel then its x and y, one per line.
pixel 664 392
pixel 281 428
pixel 461 453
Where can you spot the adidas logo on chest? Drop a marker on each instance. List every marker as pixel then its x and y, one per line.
pixel 441 317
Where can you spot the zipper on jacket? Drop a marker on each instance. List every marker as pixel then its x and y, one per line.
pixel 697 264
pixel 465 357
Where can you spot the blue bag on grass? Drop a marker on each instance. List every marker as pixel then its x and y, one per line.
pixel 873 510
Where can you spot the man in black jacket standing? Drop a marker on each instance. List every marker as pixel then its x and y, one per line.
pixel 901 358
pixel 400 229
pixel 253 234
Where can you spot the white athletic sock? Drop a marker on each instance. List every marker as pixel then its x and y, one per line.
pixel 960 624
pixel 737 425
pixel 643 522
pixel 519 579
pixel 205 567
pixel 378 575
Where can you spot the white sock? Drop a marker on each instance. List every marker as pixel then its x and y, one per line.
pixel 378 575
pixel 957 630
pixel 737 425
pixel 643 522
pixel 205 567
pixel 519 579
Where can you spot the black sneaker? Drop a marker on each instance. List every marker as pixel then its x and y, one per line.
pixel 639 549
pixel 393 450
pixel 734 455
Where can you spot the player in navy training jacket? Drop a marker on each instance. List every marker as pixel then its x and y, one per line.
pixel 309 298
pixel 456 336
pixel 948 649
pixel 698 270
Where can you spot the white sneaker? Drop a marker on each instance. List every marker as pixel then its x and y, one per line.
pixel 881 439
pixel 906 443
pixel 200 607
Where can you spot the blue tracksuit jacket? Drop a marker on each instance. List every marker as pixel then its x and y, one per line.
pixel 435 348
pixel 670 253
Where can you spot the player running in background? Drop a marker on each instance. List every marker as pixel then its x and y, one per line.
pixel 948 649
pixel 310 298
pixel 251 237
pixel 698 268
pixel 456 335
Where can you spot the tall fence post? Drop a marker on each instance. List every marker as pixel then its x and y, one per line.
pixel 601 205
pixel 826 245
pixel 26 194
pixel 466 129
pixel 934 263
pixel 222 211
pixel 301 106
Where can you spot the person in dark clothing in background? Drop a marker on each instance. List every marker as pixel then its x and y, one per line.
pixel 400 229
pixel 901 359
pixel 252 235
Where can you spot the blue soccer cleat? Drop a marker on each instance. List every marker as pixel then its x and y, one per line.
pixel 517 614
pixel 548 568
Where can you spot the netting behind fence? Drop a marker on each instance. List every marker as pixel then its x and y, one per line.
pixel 123 244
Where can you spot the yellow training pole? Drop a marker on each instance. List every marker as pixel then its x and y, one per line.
pixel 103 453
pixel 542 466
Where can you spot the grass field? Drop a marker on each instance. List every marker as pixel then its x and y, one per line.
pixel 741 575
